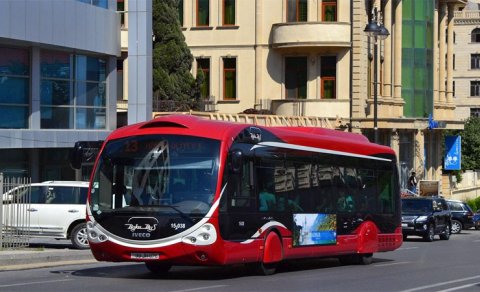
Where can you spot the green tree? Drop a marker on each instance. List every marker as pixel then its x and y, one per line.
pixel 172 59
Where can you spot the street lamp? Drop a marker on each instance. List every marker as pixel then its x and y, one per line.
pixel 376 31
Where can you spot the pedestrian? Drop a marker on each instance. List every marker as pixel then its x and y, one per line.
pixel 412 183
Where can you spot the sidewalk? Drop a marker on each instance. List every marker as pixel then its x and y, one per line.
pixel 39 257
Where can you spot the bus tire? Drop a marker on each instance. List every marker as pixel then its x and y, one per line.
pixel 356 259
pixel 158 267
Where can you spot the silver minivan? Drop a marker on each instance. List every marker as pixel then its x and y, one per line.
pixel 55 209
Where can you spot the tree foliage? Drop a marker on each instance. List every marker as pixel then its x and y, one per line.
pixel 172 59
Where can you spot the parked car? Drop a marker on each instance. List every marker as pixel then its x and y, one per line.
pixel 462 215
pixel 476 219
pixel 55 209
pixel 426 217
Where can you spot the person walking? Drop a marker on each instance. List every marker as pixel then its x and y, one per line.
pixel 412 183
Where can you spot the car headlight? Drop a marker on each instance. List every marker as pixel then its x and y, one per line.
pixel 422 218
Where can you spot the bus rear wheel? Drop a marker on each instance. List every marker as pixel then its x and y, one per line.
pixel 158 267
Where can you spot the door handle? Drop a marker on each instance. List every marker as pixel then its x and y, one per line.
pixel 32 210
pixel 73 211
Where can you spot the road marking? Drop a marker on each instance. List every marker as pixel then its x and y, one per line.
pixel 201 288
pixel 441 284
pixel 391 264
pixel 406 248
pixel 33 283
pixel 460 287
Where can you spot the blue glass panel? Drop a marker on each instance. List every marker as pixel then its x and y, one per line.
pixel 91 118
pixel 55 92
pixel 90 94
pixel 89 68
pixel 13 117
pixel 56 117
pixel 55 64
pixel 14 90
pixel 14 62
pixel 100 3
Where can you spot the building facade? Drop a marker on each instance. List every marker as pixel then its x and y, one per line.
pixel 57 82
pixel 467 61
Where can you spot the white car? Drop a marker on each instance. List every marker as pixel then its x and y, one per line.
pixel 55 209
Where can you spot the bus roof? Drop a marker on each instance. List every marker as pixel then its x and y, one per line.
pixel 221 130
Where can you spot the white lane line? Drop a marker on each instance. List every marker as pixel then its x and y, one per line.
pixel 460 287
pixel 441 284
pixel 201 288
pixel 33 283
pixel 407 248
pixel 391 264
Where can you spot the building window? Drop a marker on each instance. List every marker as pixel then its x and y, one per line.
pixel 474 88
pixel 121 11
pixel 296 77
pixel 203 66
pixel 229 78
pixel 228 12
pixel 180 12
pixel 475 61
pixel 203 13
pixel 329 10
pixel 72 93
pixel 476 35
pixel 475 112
pixel 296 10
pixel 328 75
pixel 98 3
pixel 14 88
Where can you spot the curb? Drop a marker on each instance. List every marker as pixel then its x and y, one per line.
pixel 28 259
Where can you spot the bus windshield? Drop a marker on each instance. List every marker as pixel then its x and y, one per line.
pixel 160 173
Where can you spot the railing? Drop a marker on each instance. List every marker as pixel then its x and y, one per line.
pixel 468 14
pixel 14 214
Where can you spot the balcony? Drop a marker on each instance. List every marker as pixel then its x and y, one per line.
pixel 327 108
pixel 311 34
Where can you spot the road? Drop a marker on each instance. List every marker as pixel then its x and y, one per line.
pixel 452 265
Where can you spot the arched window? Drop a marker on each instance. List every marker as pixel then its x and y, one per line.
pixel 476 35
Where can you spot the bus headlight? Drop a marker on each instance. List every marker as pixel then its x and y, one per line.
pixel 205 235
pixel 94 234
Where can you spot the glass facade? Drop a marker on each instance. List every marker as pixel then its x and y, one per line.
pixel 417 58
pixel 14 88
pixel 72 91
pixel 98 3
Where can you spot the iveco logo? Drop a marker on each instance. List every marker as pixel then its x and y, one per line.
pixel 136 224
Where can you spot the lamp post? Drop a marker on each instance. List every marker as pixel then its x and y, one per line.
pixel 376 31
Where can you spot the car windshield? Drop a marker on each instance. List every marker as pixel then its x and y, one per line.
pixel 162 173
pixel 416 206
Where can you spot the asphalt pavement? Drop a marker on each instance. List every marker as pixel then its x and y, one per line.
pixel 43 253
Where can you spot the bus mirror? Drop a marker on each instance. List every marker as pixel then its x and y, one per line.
pixel 236 161
pixel 84 152
pixel 76 156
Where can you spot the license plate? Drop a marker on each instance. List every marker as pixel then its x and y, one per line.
pixel 145 256
pixel 404 225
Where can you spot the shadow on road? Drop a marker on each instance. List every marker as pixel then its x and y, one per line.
pixel 139 271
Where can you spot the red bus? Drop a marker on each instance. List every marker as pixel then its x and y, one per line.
pixel 182 190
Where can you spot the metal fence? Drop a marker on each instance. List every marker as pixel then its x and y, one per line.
pixel 14 212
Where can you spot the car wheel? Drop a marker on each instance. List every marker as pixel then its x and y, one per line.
pixel 79 236
pixel 158 267
pixel 446 233
pixel 429 236
pixel 405 237
pixel 477 227
pixel 456 226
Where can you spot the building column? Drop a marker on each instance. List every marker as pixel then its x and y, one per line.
pixel 111 119
pixel 442 52
pixel 35 116
pixel 395 142
pixel 419 157
pixel 451 8
pixel 258 53
pixel 140 61
pixel 436 96
pixel 387 54
pixel 398 52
